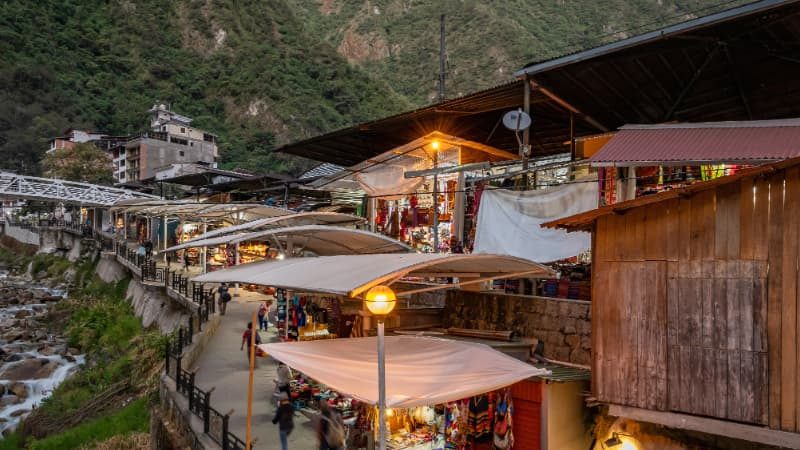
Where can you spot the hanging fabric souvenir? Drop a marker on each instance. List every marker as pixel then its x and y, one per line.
pixel 503 436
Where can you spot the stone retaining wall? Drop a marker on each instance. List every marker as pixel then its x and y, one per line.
pixel 563 325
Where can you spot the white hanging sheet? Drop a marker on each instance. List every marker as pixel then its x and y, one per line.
pixel 509 222
pixel 387 182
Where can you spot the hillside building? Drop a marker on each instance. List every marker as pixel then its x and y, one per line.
pixel 74 136
pixel 170 140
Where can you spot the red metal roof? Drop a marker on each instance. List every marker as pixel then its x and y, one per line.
pixel 713 142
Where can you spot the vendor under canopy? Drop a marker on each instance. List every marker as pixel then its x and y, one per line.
pixel 419 370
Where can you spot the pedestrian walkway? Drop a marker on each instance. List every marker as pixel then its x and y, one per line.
pixel 224 367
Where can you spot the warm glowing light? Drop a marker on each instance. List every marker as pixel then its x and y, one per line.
pixel 380 300
pixel 389 412
pixel 435 145
pixel 280 256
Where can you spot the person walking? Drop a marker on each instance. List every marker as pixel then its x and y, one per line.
pixel 246 339
pixel 330 428
pixel 284 417
pixel 284 378
pixel 186 261
pixel 224 298
pixel 263 324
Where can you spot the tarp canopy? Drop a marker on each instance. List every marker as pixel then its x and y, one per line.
pixel 304 218
pixel 350 275
pixel 509 222
pixel 321 240
pixel 419 370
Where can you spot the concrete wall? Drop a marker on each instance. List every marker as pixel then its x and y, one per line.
pixel 151 304
pixel 566 423
pixel 563 325
pixel 21 235
pixel 155 154
pixel 109 270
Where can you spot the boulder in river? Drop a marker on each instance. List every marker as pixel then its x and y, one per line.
pixel 9 400
pixel 22 313
pixel 29 369
pixel 18 390
pixel 20 412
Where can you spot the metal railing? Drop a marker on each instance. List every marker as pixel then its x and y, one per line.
pixel 215 424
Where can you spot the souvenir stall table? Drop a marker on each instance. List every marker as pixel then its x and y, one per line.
pixel 461 402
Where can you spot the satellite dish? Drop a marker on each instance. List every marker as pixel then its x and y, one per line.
pixel 517 120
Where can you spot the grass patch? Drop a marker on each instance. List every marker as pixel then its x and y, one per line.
pixel 133 418
pixel 10 442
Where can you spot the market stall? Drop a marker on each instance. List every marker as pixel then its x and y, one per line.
pixel 296 241
pixel 425 210
pixel 441 393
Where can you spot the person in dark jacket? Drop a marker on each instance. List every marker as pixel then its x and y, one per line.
pixel 284 417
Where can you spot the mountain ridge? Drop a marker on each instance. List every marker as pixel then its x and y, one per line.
pixel 261 74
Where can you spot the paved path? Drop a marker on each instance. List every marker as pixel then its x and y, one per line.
pixel 223 366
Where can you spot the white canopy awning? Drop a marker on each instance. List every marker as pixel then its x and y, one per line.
pixel 351 275
pixel 321 240
pixel 304 218
pixel 199 210
pixel 419 370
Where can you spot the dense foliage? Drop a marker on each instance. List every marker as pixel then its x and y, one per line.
pixel 82 162
pixel 260 73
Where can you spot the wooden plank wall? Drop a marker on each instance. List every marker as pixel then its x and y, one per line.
pixel 695 304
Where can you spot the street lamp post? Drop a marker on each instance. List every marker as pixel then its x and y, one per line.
pixel 380 301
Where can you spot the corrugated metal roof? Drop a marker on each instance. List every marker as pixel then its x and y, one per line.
pixel 656 35
pixel 715 142
pixel 562 374
pixel 322 170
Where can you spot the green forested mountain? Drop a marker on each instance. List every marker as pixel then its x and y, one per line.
pixel 264 72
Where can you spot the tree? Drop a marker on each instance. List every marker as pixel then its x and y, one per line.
pixel 82 162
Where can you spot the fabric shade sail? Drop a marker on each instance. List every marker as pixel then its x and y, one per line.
pixel 321 240
pixel 350 275
pixel 419 370
pixel 306 218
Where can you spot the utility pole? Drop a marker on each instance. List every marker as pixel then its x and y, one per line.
pixel 442 58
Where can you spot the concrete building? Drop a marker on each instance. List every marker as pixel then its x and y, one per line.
pixel 73 136
pixel 171 140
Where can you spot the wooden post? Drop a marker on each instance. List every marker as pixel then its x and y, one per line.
pixel 252 350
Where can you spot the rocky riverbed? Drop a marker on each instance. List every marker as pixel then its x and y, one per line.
pixel 33 362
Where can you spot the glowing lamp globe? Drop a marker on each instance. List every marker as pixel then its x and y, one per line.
pixel 380 300
pixel 435 145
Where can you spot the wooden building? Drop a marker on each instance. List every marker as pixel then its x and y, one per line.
pixel 696 322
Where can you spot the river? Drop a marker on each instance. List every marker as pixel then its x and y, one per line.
pixel 33 362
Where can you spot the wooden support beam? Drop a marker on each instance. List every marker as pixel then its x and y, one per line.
pixel 561 102
pixel 734 430
pixel 735 74
pixel 688 87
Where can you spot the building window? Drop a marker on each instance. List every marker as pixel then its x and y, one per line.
pixel 183 130
pixel 180 153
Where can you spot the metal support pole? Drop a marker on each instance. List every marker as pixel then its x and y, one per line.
pixel 435 205
pixel 205 248
pixel 236 262
pixel 526 135
pixel 166 244
pixel 381 387
pixel 372 206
